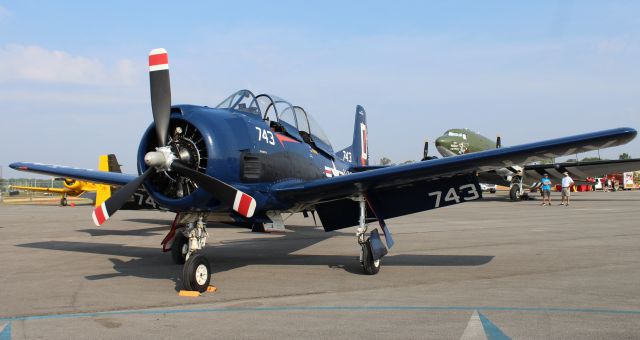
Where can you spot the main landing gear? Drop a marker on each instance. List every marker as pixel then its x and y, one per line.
pixel 63 201
pixel 516 191
pixel 196 272
pixel 371 248
pixel 369 265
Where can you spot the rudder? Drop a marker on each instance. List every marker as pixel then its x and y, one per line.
pixel 107 163
pixel 358 153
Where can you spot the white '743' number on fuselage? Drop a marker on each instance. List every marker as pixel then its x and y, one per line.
pixel 265 136
pixel 470 191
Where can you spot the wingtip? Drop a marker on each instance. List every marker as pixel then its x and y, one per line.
pixel 628 132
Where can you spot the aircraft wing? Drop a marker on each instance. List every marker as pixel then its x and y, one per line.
pixel 393 181
pixel 579 171
pixel 42 189
pixel 95 176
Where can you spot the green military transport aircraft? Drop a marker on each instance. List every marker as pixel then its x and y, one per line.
pixel 456 142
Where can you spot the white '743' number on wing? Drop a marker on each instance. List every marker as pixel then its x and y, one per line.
pixel 470 191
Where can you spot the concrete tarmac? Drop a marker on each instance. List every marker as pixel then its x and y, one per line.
pixel 485 269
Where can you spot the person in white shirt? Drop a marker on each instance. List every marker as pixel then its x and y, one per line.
pixel 567 182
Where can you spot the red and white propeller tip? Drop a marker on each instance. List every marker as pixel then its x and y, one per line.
pixel 100 215
pixel 244 204
pixel 158 60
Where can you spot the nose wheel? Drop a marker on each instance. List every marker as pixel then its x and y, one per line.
pixel 196 273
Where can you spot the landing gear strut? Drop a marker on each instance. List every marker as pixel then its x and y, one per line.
pixel 369 265
pixel 196 273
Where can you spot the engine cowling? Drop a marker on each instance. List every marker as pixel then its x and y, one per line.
pixel 188 145
pixel 72 184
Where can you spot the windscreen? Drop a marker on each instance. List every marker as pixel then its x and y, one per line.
pixel 243 101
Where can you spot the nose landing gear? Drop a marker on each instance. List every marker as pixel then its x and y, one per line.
pixel 196 272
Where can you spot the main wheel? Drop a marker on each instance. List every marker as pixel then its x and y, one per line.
pixel 196 273
pixel 257 227
pixel 514 192
pixel 179 248
pixel 369 265
pixel 63 201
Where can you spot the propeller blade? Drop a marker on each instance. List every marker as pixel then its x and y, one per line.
pixel 109 207
pixel 425 154
pixel 244 204
pixel 160 92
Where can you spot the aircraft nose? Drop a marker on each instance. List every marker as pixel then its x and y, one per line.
pixel 443 141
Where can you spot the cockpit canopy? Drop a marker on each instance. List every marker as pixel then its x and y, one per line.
pixel 281 115
pixel 456 133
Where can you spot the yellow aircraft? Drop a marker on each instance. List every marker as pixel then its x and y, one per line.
pixel 75 188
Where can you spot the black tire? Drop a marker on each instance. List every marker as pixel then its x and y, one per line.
pixel 179 248
pixel 493 191
pixel 370 266
pixel 196 273
pixel 63 201
pixel 257 228
pixel 513 193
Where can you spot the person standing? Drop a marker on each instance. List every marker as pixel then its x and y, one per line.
pixel 567 183
pixel 546 190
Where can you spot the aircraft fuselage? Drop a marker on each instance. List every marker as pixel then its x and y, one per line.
pixel 236 147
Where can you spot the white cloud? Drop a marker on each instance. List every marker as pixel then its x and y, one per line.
pixel 37 64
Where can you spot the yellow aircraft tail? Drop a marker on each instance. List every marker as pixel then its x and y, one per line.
pixel 106 163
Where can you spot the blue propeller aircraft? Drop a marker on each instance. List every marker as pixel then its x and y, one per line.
pixel 252 158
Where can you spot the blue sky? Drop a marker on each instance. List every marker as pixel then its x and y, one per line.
pixel 74 83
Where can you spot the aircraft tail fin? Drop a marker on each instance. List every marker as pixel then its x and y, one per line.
pixel 112 162
pixel 105 163
pixel 358 153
